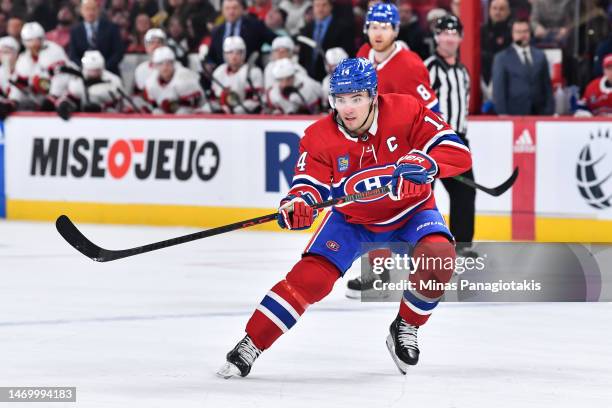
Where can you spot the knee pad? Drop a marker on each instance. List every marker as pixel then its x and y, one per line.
pixel 313 277
pixel 437 255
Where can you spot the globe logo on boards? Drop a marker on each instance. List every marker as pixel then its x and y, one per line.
pixel 594 171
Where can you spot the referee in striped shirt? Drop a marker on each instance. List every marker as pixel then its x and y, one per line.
pixel 451 82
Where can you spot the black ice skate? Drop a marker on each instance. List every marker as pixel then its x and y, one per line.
pixel 402 344
pixel 358 287
pixel 240 359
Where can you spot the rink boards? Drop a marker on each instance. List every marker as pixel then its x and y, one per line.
pixel 213 170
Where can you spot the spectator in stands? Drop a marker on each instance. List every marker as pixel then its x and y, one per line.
pixel 603 48
pixel 197 32
pixel 96 33
pixel 296 9
pixel 521 78
pixel 61 34
pixel 13 28
pixel 597 98
pixel 410 30
pixel 148 7
pixel 236 85
pixel 327 31
pixel 238 23
pixel 260 8
pixel 521 9
pixel 333 57
pixel 550 21
pixel 428 37
pixel 42 12
pixel 3 23
pixel 177 8
pixel 293 92
pixel 142 24
pixel 14 8
pixel 282 48
pixel 276 20
pixel 495 35
pixel 172 88
pixel 177 39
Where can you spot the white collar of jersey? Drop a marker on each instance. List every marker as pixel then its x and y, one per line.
pixel 602 85
pixel 381 65
pixel 372 130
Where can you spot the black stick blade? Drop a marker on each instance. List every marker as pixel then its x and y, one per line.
pixel 494 191
pixel 77 240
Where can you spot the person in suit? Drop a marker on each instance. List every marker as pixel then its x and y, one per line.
pixel 521 78
pixel 237 23
pixel 328 31
pixel 96 33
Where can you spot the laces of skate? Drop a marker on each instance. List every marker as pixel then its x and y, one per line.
pixel 407 336
pixel 251 351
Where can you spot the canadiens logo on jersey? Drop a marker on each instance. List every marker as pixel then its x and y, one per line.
pixel 343 163
pixel 369 179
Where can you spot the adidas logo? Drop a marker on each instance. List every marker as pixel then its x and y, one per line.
pixel 524 143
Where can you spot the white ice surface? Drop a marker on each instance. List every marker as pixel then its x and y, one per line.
pixel 150 331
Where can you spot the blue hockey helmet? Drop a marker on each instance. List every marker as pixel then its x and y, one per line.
pixel 382 13
pixel 353 75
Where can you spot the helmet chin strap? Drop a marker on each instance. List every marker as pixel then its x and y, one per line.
pixel 365 136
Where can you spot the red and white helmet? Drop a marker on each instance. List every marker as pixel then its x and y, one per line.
pixel 32 31
pixel 234 43
pixel 163 54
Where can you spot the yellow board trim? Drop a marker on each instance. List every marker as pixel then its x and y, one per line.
pixel 488 227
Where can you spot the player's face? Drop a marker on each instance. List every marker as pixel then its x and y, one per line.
pixel 281 53
pixel 448 42
pixel 166 69
pixel 152 45
pixel 33 45
pixel 8 56
pixel 234 59
pixel 353 109
pixel 286 82
pixel 92 73
pixel 381 35
pixel 608 73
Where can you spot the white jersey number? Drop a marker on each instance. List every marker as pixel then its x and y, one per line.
pixel 301 163
pixel 438 125
pixel 423 92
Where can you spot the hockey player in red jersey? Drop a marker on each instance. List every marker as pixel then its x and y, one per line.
pixel 597 98
pixel 399 69
pixel 368 141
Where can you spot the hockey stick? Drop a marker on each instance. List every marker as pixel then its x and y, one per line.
pixel 494 191
pixel 76 239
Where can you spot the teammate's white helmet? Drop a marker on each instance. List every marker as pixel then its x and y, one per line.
pixel 333 56
pixel 163 54
pixel 283 68
pixel 283 42
pixel 234 43
pixel 92 60
pixel 9 42
pixel 32 31
pixel 155 34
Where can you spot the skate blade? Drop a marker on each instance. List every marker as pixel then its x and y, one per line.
pixel 228 370
pixel 369 294
pixel 401 366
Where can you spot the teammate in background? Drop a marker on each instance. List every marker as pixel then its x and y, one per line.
pixel 597 98
pixel 153 39
pixel 236 85
pixel 96 91
pixel 293 91
pixel 399 69
pixel 9 51
pixel 333 57
pixel 451 81
pixel 282 47
pixel 369 140
pixel 172 88
pixel 38 76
